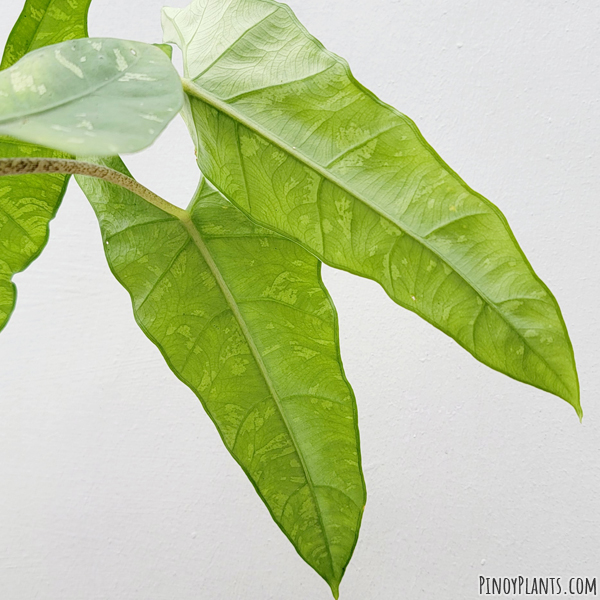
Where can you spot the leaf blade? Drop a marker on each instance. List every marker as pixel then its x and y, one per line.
pixel 97 96
pixel 218 291
pixel 284 130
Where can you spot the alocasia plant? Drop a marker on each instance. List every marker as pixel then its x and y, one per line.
pixel 300 164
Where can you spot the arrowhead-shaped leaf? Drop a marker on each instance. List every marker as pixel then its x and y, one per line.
pixel 241 316
pixel 29 202
pixel 286 133
pixel 92 96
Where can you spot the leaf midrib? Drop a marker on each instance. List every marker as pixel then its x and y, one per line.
pixel 203 95
pixel 234 307
pixel 42 21
pixel 37 27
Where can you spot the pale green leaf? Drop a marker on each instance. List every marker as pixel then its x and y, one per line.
pixel 241 316
pixel 286 133
pixel 97 96
pixel 29 202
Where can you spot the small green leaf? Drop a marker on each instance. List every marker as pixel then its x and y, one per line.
pixel 43 23
pixel 92 96
pixel 284 130
pixel 242 317
pixel 29 202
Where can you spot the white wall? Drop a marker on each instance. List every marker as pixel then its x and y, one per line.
pixel 114 483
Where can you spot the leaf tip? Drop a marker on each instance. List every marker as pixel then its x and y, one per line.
pixel 576 404
pixel 335 589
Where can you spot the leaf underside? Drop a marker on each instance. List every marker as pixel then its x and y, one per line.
pixel 97 95
pixel 287 134
pixel 29 202
pixel 241 316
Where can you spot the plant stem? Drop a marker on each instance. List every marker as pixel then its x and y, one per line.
pixel 27 166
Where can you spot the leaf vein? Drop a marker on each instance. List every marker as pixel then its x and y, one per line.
pixel 164 274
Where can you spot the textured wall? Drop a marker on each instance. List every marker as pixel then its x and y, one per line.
pixel 114 483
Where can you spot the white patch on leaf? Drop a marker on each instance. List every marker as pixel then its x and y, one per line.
pixel 67 64
pixel 121 62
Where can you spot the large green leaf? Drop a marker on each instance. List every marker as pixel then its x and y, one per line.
pixel 29 202
pixel 241 316
pixel 286 133
pixel 97 96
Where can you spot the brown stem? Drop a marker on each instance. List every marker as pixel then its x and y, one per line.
pixel 27 166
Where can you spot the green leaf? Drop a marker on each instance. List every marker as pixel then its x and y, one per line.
pixel 92 96
pixel 285 132
pixel 29 202
pixel 43 23
pixel 242 317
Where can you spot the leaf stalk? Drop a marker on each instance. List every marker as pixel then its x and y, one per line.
pixel 28 165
